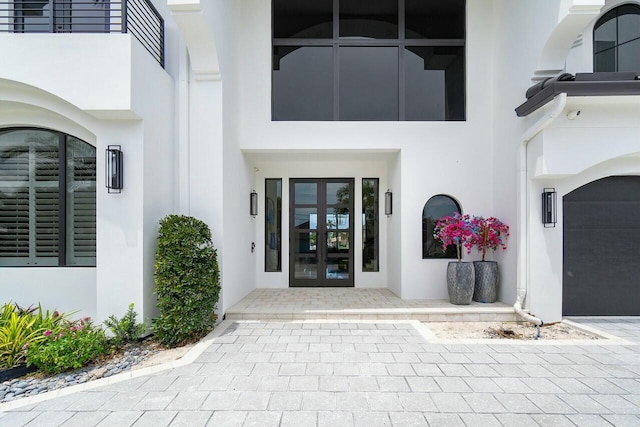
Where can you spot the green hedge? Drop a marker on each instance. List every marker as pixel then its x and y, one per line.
pixel 187 280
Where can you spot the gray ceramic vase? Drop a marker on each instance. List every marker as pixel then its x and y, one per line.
pixel 486 281
pixel 460 282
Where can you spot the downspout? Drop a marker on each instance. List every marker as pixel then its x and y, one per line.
pixel 559 102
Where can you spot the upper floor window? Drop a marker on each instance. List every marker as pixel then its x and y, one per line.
pixel 61 16
pixel 436 207
pixel 368 60
pixel 616 40
pixel 47 199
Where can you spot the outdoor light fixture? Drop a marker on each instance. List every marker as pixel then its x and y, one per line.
pixel 113 169
pixel 388 203
pixel 549 208
pixel 253 203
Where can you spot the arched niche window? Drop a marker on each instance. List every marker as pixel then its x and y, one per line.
pixel 616 40
pixel 47 199
pixel 436 207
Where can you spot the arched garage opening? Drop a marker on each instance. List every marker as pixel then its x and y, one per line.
pixel 601 271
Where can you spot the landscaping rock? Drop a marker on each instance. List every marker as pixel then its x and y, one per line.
pixel 119 362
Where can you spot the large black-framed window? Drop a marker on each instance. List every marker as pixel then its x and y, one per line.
pixel 437 207
pixel 273 225
pixel 616 40
pixel 370 226
pixel 373 60
pixel 47 199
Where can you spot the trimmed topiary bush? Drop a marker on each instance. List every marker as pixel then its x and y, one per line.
pixel 187 280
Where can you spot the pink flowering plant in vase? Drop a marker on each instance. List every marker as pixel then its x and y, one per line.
pixel 489 233
pixel 455 230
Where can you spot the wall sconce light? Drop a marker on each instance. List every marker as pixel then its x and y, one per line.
pixel 388 203
pixel 113 169
pixel 253 203
pixel 549 207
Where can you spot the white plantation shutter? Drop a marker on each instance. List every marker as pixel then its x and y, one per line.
pixel 81 203
pixel 46 191
pixel 14 202
pixel 30 199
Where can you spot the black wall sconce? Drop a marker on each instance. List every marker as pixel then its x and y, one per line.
pixel 253 203
pixel 388 203
pixel 113 168
pixel 549 207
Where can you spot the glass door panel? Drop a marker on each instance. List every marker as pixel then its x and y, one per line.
pixel 321 251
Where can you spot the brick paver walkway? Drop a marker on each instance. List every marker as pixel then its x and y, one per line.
pixel 363 374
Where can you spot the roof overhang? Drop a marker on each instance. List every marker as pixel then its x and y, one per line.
pixel 578 88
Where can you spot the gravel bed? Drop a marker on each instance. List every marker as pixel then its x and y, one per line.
pixel 121 361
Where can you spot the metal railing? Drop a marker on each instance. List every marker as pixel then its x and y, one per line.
pixel 138 17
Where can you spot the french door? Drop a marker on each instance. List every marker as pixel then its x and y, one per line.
pixel 321 232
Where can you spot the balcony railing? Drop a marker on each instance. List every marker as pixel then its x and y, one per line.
pixel 138 17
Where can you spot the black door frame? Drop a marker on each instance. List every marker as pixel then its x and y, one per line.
pixel 322 256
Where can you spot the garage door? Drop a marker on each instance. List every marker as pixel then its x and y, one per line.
pixel 602 248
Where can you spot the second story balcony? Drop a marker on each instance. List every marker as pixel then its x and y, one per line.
pixel 137 17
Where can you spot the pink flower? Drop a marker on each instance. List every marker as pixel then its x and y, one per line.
pixel 455 230
pixel 47 332
pixel 489 233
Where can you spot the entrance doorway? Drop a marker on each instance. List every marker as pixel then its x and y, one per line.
pixel 321 232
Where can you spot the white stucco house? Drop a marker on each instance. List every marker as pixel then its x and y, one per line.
pixel 377 116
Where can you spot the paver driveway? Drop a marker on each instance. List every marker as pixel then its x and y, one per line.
pixel 363 374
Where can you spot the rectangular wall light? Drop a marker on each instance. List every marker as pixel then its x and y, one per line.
pixel 388 203
pixel 549 207
pixel 253 203
pixel 113 169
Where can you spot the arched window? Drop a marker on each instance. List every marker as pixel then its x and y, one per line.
pixel 616 40
pixel 436 208
pixel 47 199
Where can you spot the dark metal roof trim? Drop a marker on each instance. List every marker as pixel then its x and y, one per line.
pixel 578 88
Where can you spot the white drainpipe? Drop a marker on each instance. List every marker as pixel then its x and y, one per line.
pixel 559 102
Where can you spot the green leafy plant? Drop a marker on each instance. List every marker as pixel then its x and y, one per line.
pixel 6 312
pixel 16 333
pixel 76 344
pixel 187 280
pixel 126 329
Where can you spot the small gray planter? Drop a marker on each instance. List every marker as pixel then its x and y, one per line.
pixel 460 282
pixel 486 281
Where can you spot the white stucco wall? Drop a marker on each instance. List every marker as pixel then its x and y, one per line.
pixel 118 96
pixel 603 141
pixel 436 157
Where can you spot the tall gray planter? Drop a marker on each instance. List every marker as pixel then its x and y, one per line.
pixel 460 282
pixel 486 281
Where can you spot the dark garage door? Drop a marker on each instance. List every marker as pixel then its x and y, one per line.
pixel 602 248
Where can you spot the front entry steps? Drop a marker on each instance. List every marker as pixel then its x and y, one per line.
pixel 359 304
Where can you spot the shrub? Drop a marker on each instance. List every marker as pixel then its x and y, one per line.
pixel 126 329
pixel 187 280
pixel 20 328
pixel 76 344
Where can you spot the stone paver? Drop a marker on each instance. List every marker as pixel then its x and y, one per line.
pixel 367 374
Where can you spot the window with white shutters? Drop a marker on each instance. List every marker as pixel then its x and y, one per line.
pixel 47 199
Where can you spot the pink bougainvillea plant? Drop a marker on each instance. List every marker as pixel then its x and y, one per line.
pixel 455 230
pixel 489 233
